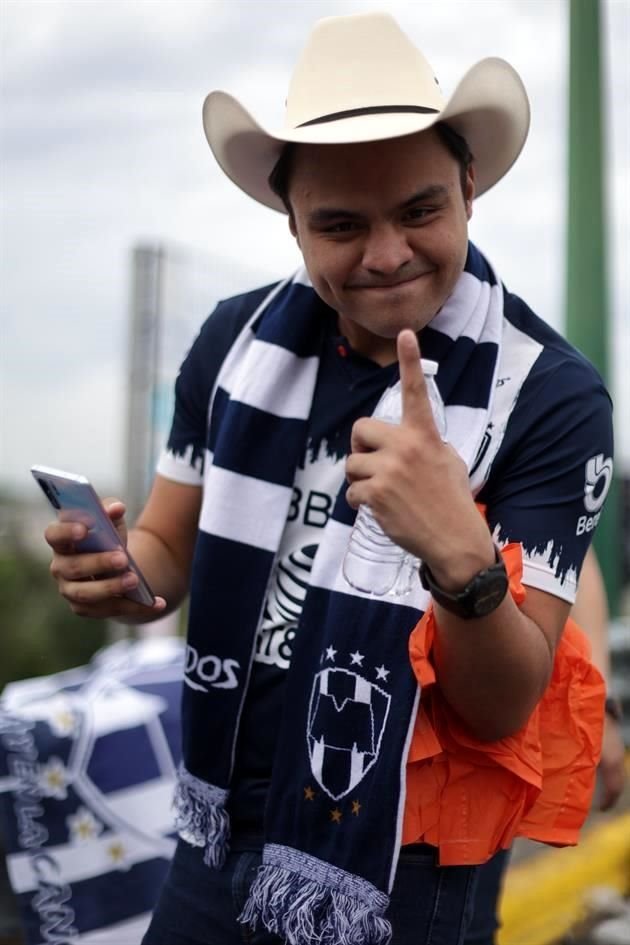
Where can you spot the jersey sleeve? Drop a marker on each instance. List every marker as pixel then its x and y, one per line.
pixel 553 471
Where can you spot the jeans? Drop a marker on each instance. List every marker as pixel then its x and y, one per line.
pixel 198 906
pixel 485 921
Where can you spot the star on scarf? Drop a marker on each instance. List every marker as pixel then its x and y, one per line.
pixel 356 658
pixel 335 816
pixel 331 653
pixel 309 793
pixel 382 673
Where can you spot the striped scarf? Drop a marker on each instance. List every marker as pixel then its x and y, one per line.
pixel 339 770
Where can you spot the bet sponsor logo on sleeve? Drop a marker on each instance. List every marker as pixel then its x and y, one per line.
pixel 599 473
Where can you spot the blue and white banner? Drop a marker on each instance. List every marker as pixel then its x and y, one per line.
pixel 87 772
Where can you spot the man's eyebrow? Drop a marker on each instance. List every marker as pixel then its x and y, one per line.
pixel 326 214
pixel 435 191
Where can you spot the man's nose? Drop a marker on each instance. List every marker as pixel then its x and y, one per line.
pixel 386 249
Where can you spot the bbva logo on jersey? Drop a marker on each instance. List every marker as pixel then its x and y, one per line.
pixel 346 721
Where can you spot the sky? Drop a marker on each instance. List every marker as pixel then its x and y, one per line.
pixel 102 149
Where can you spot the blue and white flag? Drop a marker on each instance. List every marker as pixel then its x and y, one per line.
pixel 87 769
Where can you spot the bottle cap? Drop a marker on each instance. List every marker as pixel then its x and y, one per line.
pixel 430 368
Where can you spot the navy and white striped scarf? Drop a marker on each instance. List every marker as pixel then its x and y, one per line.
pixel 335 806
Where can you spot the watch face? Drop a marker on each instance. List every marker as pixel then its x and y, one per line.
pixel 490 593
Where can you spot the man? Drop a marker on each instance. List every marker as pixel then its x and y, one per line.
pixel 273 447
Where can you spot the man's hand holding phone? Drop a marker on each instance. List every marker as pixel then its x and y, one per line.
pixel 93 569
pixel 95 582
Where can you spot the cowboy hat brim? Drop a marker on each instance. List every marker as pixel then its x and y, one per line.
pixel 489 108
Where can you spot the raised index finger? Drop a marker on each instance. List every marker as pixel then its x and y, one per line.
pixel 416 408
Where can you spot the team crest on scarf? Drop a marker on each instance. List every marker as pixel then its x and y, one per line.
pixel 346 722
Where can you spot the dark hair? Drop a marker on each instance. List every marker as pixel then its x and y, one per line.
pixel 280 177
pixel 458 147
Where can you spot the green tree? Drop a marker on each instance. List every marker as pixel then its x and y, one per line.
pixel 40 635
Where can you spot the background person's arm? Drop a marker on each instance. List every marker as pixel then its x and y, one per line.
pixel 590 611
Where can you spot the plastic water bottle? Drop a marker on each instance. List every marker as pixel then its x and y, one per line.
pixel 373 563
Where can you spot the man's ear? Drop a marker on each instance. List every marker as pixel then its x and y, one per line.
pixel 469 190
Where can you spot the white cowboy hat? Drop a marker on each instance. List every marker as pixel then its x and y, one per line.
pixel 360 78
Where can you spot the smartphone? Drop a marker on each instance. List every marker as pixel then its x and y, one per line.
pixel 74 500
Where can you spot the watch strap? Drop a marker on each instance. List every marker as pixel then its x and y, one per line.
pixel 479 598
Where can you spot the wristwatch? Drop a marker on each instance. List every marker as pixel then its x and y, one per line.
pixel 480 597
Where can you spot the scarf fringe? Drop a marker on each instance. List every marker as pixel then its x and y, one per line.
pixel 305 912
pixel 200 821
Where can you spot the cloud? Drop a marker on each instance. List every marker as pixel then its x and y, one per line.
pixel 102 147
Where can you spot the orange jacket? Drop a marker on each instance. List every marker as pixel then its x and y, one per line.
pixel 471 798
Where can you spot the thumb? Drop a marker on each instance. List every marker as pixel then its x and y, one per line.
pixel 116 511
